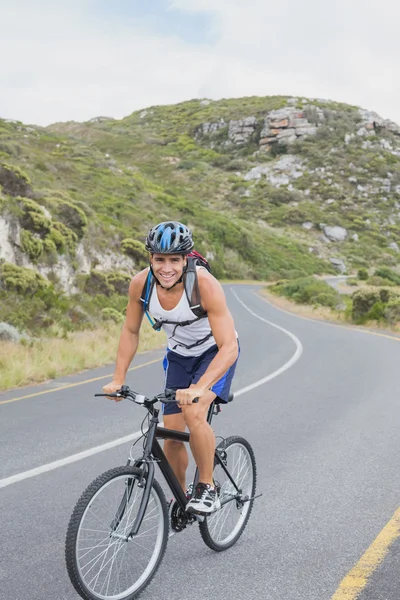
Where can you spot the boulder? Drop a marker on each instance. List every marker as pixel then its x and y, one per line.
pixel 338 264
pixel 335 233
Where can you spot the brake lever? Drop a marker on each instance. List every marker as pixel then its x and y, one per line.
pixel 170 394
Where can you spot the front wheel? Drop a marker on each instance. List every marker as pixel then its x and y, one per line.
pixel 103 561
pixel 223 528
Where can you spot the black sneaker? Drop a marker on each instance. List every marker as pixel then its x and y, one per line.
pixel 204 501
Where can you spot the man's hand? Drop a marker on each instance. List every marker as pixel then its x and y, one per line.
pixel 187 396
pixel 112 387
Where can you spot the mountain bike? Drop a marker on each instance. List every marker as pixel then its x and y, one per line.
pixel 119 529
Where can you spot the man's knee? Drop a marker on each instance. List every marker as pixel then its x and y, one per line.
pixel 194 416
pixel 173 446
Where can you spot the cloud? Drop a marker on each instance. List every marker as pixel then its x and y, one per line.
pixel 68 61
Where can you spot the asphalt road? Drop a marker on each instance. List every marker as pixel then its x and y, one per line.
pixel 320 406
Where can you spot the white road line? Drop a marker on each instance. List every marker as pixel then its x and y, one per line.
pixel 290 363
pixel 68 460
pixel 128 438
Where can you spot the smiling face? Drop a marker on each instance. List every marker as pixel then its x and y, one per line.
pixel 167 268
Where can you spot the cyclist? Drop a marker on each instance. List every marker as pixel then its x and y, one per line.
pixel 201 355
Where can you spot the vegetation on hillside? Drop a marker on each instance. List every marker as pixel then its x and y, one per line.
pixel 76 201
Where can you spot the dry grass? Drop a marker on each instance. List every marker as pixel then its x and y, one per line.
pixel 49 358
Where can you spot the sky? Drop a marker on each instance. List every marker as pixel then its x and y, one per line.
pixel 79 59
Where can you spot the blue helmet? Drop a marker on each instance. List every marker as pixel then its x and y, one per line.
pixel 169 237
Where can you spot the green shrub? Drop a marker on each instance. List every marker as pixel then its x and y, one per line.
pixel 293 274
pixel 110 314
pixel 31 245
pixel 49 246
pixel 308 290
pixel 362 274
pixel 33 217
pixel 377 312
pixel 119 282
pixel 363 301
pixel 135 249
pixel 14 181
pixel 63 237
pixel 325 299
pixel 73 217
pixel 387 273
pixel 379 281
pixel 278 196
pixel 97 283
pixel 392 311
pixel 22 280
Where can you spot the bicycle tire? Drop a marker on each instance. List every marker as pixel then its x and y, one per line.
pixel 209 527
pixel 119 522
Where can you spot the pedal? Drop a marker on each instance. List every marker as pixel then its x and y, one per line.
pixel 253 498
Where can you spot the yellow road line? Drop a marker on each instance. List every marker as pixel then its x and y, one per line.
pixel 356 580
pixel 322 322
pixel 71 385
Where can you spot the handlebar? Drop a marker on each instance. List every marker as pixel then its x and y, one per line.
pixel 166 397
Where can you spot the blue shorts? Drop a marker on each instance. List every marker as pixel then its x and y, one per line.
pixel 182 371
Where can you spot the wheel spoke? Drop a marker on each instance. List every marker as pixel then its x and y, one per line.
pixel 221 529
pixel 109 562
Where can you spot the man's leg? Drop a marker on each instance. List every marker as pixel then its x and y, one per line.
pixel 202 437
pixel 176 452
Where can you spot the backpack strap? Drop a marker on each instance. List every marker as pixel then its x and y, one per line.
pixel 192 288
pixel 145 298
pixel 192 291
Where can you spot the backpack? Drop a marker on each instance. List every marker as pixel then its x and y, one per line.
pixel 192 291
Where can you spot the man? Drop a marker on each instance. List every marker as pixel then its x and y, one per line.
pixel 201 356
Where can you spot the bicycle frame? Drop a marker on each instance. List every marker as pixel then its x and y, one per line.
pixel 154 453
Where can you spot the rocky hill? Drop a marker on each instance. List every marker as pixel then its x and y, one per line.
pixel 272 187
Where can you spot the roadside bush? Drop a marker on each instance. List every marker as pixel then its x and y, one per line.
pixel 392 311
pixel 377 312
pixel 387 273
pixel 325 299
pixel 362 274
pixel 307 290
pixel 363 301
pixel 380 281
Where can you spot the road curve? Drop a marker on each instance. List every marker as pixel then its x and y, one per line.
pixel 319 404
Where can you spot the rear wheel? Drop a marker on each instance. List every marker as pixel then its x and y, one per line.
pixel 103 561
pixel 223 528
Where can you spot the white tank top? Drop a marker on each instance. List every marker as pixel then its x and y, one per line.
pixel 179 337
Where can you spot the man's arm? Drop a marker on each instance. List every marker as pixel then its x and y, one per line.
pixel 222 326
pixel 129 338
